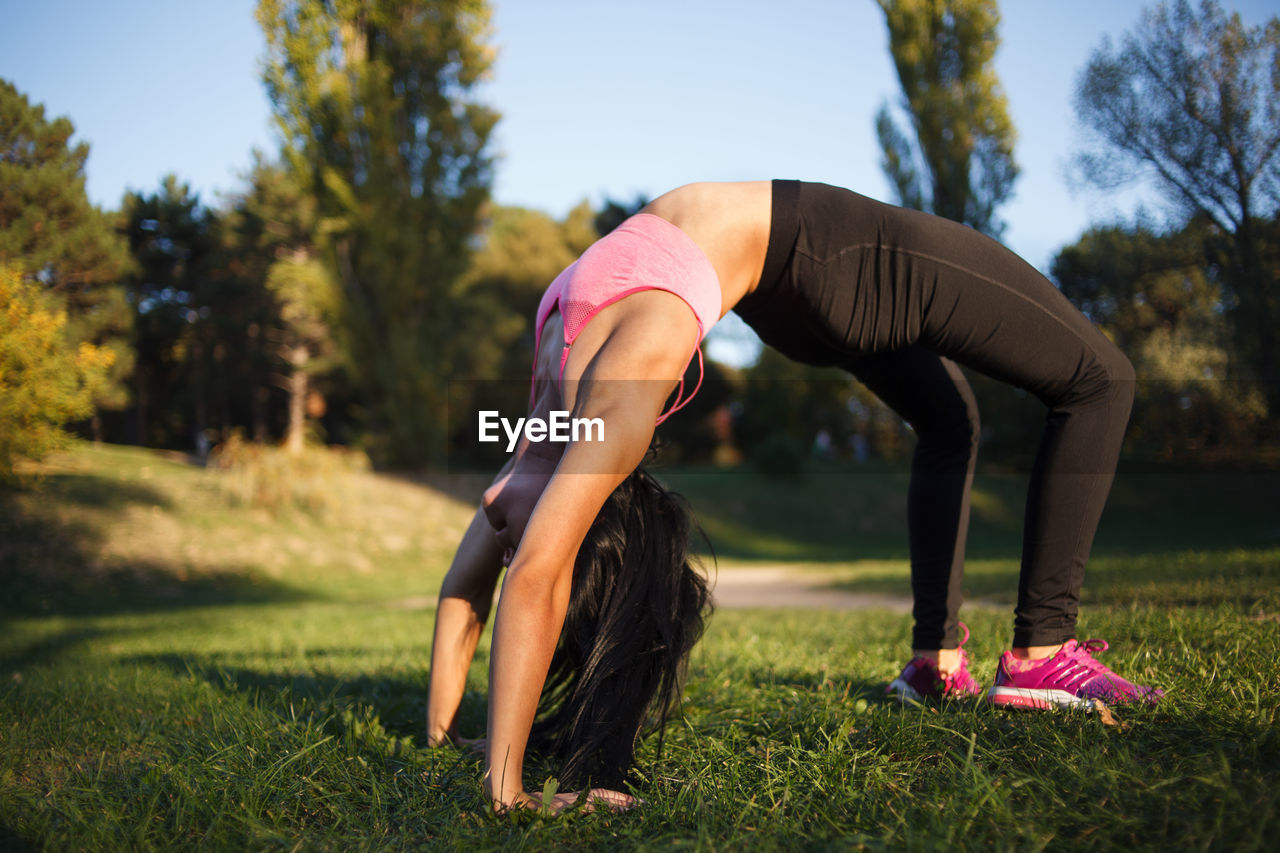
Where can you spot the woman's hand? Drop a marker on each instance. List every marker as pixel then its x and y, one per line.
pixel 614 801
pixel 471 744
pixel 510 501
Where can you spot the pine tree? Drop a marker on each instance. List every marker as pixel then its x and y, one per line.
pixel 173 239
pixel 49 228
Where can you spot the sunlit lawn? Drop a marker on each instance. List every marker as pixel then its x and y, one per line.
pixel 184 671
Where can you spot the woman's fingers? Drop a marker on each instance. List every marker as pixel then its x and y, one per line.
pixel 471 744
pixel 562 801
pixel 612 800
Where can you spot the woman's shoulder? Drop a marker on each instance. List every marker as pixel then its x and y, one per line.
pixel 729 222
pixel 710 199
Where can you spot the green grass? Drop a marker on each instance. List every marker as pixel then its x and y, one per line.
pixel 181 672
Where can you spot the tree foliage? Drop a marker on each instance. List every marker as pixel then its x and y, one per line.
pixel 613 212
pixel 179 303
pixel 521 252
pixel 45 380
pixel 1191 99
pixel 1156 296
pixel 1133 281
pixel 49 228
pixel 375 100
pixel 46 220
pixel 792 411
pixel 272 234
pixel 956 158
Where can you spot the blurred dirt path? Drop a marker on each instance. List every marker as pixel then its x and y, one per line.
pixel 785 587
pixel 766 586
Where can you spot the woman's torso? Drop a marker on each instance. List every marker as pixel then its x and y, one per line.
pixel 729 223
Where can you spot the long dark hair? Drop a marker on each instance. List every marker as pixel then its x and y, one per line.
pixel 637 607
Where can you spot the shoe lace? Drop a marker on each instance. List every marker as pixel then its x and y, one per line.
pixel 961 672
pixel 949 681
pixel 1083 665
pixel 1094 645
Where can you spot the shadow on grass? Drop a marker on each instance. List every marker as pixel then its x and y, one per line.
pixel 398 703
pixel 50 648
pixel 851 687
pixel 52 543
pixel 847 515
pixel 465 487
pixel 12 842
pixel 1246 580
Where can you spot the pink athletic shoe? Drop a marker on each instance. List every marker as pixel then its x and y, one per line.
pixel 1069 679
pixel 921 680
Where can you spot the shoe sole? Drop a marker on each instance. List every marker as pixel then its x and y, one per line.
pixel 1023 697
pixel 903 691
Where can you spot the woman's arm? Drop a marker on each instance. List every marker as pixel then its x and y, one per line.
pixel 467 592
pixel 535 593
pixel 463 608
pixel 621 369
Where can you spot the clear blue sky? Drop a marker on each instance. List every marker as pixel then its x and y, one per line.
pixel 598 98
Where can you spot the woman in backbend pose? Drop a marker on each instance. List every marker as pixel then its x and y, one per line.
pixel 600 606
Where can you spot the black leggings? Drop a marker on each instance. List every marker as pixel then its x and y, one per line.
pixel 898 297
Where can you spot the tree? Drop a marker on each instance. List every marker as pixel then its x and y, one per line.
pixel 956 157
pixel 375 101
pixel 45 381
pixel 613 212
pixel 50 229
pixel 173 239
pixel 956 160
pixel 1190 99
pixel 305 291
pixel 272 233
pixel 786 406
pixel 1132 281
pixel 519 253
pixel 1160 301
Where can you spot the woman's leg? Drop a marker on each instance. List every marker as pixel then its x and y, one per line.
pixel 930 393
pixel 994 312
pixel 877 279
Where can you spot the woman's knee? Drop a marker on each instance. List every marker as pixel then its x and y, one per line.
pixel 955 425
pixel 1120 376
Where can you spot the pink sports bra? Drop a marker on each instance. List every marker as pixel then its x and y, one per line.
pixel 644 253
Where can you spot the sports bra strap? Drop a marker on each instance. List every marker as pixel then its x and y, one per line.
pixel 678 405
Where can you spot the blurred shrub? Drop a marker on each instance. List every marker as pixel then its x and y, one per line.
pixel 45 380
pixel 779 456
pixel 276 479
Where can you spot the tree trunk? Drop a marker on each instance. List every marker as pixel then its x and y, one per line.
pixel 200 434
pixel 295 437
pixel 140 424
pixel 260 397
